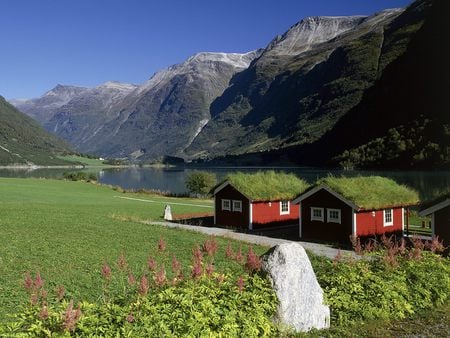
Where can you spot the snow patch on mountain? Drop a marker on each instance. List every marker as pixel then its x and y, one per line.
pixel 199 63
pixel 312 31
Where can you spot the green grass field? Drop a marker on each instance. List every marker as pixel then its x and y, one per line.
pixel 67 230
pixel 92 162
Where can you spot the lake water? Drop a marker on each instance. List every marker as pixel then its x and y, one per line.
pixel 427 183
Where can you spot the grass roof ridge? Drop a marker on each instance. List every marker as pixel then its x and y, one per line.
pixel 371 192
pixel 267 185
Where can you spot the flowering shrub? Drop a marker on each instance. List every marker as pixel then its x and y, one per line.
pixel 392 281
pixel 156 302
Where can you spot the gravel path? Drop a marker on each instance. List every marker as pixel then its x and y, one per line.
pixel 318 249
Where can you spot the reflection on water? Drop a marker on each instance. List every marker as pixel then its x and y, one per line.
pixel 427 183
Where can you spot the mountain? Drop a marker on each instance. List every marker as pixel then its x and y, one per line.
pixel 24 142
pixel 402 121
pixel 356 91
pixel 43 108
pixel 162 116
pixel 407 109
pixel 303 83
pixel 165 114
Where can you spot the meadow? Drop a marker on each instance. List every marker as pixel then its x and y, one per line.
pixel 66 231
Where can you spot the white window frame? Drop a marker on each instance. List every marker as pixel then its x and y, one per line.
pixel 334 220
pixel 224 201
pixel 316 218
pixel 286 212
pixel 235 207
pixel 391 222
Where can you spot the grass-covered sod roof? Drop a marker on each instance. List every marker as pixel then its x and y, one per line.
pixel 268 185
pixel 372 192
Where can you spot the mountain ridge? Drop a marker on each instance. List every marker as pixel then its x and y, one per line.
pixel 290 94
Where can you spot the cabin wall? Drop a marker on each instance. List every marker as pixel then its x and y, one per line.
pixel 442 225
pixel 371 223
pixel 268 214
pixel 324 230
pixel 238 219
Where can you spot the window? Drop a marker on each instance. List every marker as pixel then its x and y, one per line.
pixel 334 216
pixel 237 206
pixel 226 205
pixel 317 214
pixel 284 207
pixel 388 218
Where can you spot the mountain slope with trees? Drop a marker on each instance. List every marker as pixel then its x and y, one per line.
pixel 24 142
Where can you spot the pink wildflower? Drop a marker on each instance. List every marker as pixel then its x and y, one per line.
pixel 38 281
pixel 131 279
pixel 130 318
pixel 122 262
pixel 229 251
pixel 161 245
pixel 143 286
pixel 71 317
pixel 240 284
pixel 28 282
pixel 176 265
pixel 210 246
pixel 160 278
pixel 197 270
pixel 106 271
pixel 43 314
pixel 151 263
pixel 253 263
pixel 239 257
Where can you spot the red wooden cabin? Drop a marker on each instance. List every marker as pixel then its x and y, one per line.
pixel 239 202
pixel 333 215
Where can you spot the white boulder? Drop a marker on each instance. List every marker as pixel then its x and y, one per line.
pixel 300 295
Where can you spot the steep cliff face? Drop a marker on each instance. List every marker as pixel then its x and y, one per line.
pixel 300 86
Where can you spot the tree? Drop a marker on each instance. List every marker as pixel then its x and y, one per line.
pixel 200 182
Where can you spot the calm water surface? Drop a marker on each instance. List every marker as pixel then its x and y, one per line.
pixel 427 183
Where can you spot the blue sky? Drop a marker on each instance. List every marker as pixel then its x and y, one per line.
pixel 88 42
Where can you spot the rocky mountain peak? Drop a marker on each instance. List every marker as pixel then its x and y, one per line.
pixel 200 63
pixel 237 60
pixel 116 85
pixel 312 31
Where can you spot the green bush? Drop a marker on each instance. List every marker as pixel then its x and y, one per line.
pixel 383 286
pixel 203 307
pixel 200 182
pixel 80 176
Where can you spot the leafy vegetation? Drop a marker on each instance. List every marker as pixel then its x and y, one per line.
pixel 194 300
pixel 397 281
pixel 80 176
pixel 371 192
pixel 268 185
pixel 422 144
pixel 24 142
pixel 200 183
